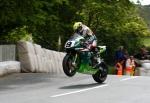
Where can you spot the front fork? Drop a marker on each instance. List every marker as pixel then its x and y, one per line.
pixel 74 60
pixel 98 60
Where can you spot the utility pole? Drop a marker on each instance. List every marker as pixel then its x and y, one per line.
pixel 59 43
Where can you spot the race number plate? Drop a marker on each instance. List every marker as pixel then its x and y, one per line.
pixel 69 44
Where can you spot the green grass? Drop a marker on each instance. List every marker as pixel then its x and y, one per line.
pixel 111 69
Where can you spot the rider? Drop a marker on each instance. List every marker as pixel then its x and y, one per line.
pixel 90 38
pixel 87 33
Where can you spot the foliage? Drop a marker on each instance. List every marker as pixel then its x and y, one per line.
pixel 115 22
pixel 145 13
pixel 18 34
pixel 146 41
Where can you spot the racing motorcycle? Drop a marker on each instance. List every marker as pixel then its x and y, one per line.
pixel 82 60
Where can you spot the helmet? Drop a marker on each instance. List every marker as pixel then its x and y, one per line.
pixel 77 25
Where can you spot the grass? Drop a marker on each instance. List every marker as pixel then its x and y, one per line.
pixel 111 69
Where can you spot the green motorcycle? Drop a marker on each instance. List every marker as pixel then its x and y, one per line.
pixel 79 59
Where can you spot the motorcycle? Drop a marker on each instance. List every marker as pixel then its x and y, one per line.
pixel 82 60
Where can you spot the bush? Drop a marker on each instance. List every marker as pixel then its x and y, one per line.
pixel 17 34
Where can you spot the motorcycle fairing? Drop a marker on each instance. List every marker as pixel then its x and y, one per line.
pixel 86 64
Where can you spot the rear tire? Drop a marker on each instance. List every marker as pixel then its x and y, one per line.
pixel 68 68
pixel 101 74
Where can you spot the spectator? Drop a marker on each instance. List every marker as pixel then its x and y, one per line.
pixel 121 55
pixel 143 54
pixel 119 67
pixel 130 66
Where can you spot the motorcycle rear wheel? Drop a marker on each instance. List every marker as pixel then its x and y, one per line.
pixel 68 68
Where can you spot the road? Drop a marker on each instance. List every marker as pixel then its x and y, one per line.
pixel 47 88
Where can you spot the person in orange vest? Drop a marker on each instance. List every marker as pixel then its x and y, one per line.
pixel 130 66
pixel 121 55
pixel 119 67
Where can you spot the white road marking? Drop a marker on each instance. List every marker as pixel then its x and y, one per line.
pixel 83 90
pixel 133 77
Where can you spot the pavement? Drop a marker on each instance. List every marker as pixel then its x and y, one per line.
pixel 48 88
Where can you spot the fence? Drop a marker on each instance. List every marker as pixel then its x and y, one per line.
pixel 7 52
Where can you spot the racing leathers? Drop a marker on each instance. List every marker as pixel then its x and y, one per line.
pixel 89 36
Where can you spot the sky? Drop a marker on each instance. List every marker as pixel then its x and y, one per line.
pixel 143 2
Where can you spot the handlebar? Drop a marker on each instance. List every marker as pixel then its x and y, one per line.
pixel 82 49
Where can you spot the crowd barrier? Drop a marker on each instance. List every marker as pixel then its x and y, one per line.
pixel 7 53
pixel 36 59
pixel 144 70
pixel 8 67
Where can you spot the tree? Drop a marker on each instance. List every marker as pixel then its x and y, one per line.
pixel 113 22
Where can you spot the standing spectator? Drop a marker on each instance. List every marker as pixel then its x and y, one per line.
pixel 119 67
pixel 130 66
pixel 143 54
pixel 121 55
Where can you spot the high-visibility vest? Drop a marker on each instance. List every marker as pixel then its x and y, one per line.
pixel 119 68
pixel 130 64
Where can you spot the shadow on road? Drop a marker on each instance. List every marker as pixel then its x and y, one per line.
pixel 30 80
pixel 81 86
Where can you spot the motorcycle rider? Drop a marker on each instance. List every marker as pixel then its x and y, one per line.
pixel 90 38
pixel 87 33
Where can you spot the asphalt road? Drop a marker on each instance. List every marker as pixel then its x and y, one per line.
pixel 47 88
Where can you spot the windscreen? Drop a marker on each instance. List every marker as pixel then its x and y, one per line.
pixel 75 36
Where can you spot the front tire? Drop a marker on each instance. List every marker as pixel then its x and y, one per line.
pixel 101 75
pixel 68 68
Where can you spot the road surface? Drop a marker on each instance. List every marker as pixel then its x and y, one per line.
pixel 47 88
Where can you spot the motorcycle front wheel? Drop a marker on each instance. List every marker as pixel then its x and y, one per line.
pixel 101 75
pixel 68 67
